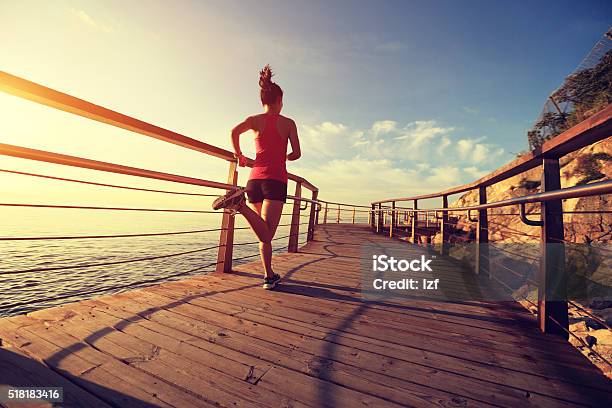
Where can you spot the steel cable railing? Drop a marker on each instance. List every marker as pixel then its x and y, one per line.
pixel 150 234
pixel 515 273
pixel 514 253
pixel 83 207
pixel 105 289
pixel 570 334
pixel 591 315
pixel 148 258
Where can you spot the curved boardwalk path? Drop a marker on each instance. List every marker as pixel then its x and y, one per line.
pixel 220 340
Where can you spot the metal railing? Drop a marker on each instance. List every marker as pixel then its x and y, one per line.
pixel 332 212
pixel 58 100
pixel 552 314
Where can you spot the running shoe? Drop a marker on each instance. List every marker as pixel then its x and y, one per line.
pixel 232 200
pixel 270 283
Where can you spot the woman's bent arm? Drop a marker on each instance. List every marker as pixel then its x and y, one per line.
pixel 237 131
pixel 296 152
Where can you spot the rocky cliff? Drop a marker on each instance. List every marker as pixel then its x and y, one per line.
pixel 588 231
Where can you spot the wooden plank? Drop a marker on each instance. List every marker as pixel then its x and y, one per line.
pixel 250 324
pixel 287 355
pixel 211 376
pixel 306 380
pixel 526 366
pixel 288 305
pixel 101 375
pixel 317 276
pixel 18 369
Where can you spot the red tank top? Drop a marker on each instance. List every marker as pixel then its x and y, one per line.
pixel 270 153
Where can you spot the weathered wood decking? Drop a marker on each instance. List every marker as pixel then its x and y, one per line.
pixel 220 340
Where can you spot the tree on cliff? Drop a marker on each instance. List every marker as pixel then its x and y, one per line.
pixel 588 91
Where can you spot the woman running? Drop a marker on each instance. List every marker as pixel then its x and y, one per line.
pixel 267 185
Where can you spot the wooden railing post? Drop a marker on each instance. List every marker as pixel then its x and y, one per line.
pixel 414 222
pixel 226 238
pixel 353 220
pixel 314 216
pixel 379 224
pixel 338 218
pixel 372 219
pixel 392 219
pixel 482 235
pixel 444 227
pixel 325 214
pixel 295 220
pixel 552 280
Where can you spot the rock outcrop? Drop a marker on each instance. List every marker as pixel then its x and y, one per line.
pixel 515 251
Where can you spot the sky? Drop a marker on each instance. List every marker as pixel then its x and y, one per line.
pixel 391 98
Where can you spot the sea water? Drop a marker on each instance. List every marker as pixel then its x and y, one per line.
pixel 28 291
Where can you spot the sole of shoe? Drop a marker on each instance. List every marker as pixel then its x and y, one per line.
pixel 221 201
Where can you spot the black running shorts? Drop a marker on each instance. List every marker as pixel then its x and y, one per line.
pixel 259 189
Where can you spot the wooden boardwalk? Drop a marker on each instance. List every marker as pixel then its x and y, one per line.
pixel 220 340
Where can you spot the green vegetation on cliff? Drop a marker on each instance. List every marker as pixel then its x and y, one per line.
pixel 587 91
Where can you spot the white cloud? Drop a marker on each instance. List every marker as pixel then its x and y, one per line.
pixel 360 180
pixel 327 139
pixel 88 20
pixel 474 172
pixel 384 126
pixel 475 152
pixel 444 143
pixel 422 130
pixel 444 176
pixel 387 159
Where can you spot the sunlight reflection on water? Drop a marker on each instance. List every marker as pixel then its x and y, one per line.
pixel 25 292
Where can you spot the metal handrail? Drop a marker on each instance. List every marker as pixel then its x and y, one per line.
pixel 587 132
pixel 598 188
pixel 23 88
pixel 74 161
pixel 347 205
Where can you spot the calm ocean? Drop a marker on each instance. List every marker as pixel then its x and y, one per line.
pixel 31 290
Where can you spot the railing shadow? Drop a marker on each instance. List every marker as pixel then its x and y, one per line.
pixel 17 370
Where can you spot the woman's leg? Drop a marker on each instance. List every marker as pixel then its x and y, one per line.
pixel 271 211
pixel 256 207
pixel 252 213
pixel 263 219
